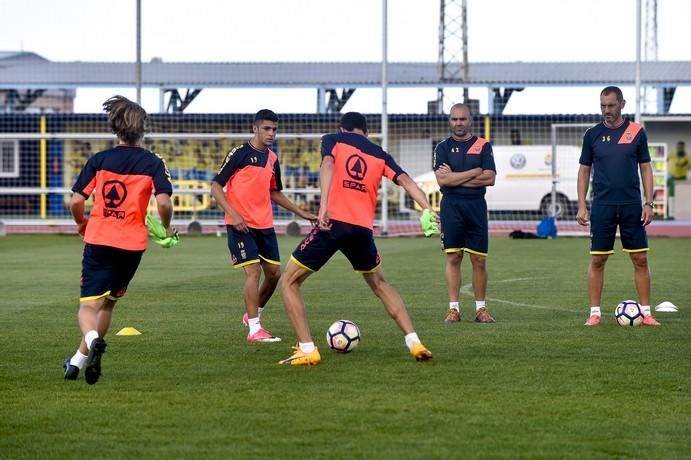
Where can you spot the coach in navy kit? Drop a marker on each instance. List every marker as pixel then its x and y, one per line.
pixel 616 149
pixel 464 167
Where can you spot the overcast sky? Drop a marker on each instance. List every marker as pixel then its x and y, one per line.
pixel 350 30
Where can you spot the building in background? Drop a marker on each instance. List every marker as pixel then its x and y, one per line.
pixel 31 100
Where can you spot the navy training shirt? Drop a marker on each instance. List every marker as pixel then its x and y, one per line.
pixel 614 154
pixel 464 156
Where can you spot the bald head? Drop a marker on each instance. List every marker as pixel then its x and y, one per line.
pixel 460 122
pixel 460 106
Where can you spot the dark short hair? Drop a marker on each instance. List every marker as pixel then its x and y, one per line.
pixel 265 115
pixel 354 120
pixel 613 89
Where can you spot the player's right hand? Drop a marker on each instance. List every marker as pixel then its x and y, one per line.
pixel 324 221
pixel 313 218
pixel 81 228
pixel 164 237
pixel 156 229
pixel 238 223
pixel 429 221
pixel 582 216
pixel 169 241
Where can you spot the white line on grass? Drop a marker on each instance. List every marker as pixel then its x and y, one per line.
pixel 467 289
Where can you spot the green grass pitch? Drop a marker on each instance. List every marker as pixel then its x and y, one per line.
pixel 537 384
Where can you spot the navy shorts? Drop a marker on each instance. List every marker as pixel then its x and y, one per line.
pixel 464 225
pixel 253 247
pixel 106 271
pixel 604 220
pixel 355 242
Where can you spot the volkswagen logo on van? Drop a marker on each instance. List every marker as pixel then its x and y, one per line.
pixel 518 161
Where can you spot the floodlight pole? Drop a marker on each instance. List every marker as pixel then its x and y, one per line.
pixel 138 63
pixel 638 61
pixel 384 116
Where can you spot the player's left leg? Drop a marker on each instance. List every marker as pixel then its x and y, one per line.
pixel 641 276
pixel 360 250
pixel 261 246
pixel 393 303
pixel 477 245
pixel 250 296
pixel 634 240
pixel 267 244
pixel 272 274
pixel 250 289
pixel 642 282
pixel 479 263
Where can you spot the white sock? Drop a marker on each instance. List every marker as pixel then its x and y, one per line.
pixel 89 337
pixel 410 339
pixel 645 309
pixel 595 311
pixel 455 306
pixel 78 359
pixel 479 304
pixel 254 325
pixel 306 347
pixel 260 312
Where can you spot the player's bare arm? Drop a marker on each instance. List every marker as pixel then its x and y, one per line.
pixel 165 211
pixel 447 178
pixel 486 179
pixel 77 209
pixel 583 182
pixel 326 173
pixel 236 219
pixel 280 199
pixel 413 190
pixel 647 180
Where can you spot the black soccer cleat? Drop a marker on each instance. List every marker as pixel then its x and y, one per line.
pixel 71 371
pixel 92 371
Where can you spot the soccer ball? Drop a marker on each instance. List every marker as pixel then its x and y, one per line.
pixel 628 314
pixel 343 336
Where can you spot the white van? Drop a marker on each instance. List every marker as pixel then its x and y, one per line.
pixel 524 180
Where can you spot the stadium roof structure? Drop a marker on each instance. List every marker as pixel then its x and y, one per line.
pixel 22 70
pixel 35 73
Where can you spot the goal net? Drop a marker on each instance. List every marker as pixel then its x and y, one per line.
pixel 536 159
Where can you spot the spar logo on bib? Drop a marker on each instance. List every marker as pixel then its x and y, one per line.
pixel 114 193
pixel 356 167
